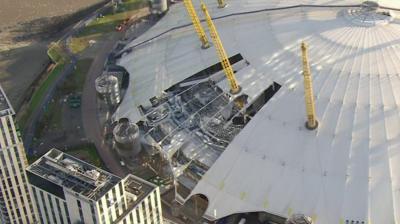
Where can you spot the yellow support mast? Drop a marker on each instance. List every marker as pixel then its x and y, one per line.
pixel 221 3
pixel 196 23
pixel 312 122
pixel 226 65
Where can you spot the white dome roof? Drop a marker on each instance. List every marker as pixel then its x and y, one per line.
pixel 348 168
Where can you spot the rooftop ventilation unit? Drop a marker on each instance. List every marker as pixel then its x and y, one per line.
pixel 127 138
pixel 369 14
pixel 107 87
pixel 159 7
pixel 299 219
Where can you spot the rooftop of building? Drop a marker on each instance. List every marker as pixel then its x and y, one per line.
pixel 138 186
pixel 5 106
pixel 74 174
pixel 139 189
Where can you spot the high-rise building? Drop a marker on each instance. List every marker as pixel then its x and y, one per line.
pixel 15 202
pixel 142 201
pixel 69 190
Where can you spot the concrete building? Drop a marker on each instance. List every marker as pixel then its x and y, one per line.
pixel 143 203
pixel 69 190
pixel 15 202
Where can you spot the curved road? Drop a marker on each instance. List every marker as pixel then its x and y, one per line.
pixel 90 118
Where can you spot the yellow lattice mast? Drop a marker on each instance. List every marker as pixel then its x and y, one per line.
pixel 196 23
pixel 221 3
pixel 312 122
pixel 226 65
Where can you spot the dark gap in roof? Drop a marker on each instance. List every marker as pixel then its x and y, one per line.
pixel 207 72
pixel 257 104
pixel 263 99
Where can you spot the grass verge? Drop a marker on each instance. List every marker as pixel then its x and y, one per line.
pixel 39 93
pixel 105 24
pixel 87 153
pixel 79 44
pixel 56 53
pixel 76 80
pixel 52 118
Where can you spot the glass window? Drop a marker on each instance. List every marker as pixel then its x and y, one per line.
pixel 80 211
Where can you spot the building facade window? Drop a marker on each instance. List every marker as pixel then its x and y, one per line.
pixel 80 211
pixel 44 205
pixel 59 210
pixel 93 211
pixel 67 212
pixel 52 209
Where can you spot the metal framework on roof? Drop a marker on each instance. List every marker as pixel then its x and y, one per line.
pixel 74 174
pixel 346 170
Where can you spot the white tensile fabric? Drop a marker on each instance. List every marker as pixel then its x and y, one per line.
pixel 348 168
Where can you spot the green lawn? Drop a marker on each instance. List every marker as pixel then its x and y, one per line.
pixel 38 95
pixel 104 25
pixel 79 44
pixel 75 81
pixel 31 159
pixel 112 18
pixel 56 53
pixel 51 120
pixel 87 153
pixel 133 4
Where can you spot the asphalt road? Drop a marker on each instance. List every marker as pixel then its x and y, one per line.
pixel 90 119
